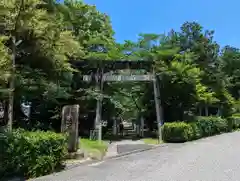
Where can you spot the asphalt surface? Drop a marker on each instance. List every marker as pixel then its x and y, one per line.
pixel 132 147
pixel 211 159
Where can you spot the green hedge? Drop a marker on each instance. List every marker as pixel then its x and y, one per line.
pixel 197 131
pixel 235 121
pixel 204 126
pixel 177 132
pixel 212 125
pixel 31 154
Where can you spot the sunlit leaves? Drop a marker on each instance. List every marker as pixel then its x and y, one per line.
pixel 4 65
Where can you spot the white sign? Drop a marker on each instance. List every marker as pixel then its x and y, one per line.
pixel 26 108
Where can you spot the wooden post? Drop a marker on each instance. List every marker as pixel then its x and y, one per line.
pixel 138 128
pixel 206 110
pixel 142 126
pixel 70 114
pixel 114 127
pixel 220 110
pixel 200 110
pixel 157 105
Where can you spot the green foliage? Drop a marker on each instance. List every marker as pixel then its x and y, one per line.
pixel 237 107
pixel 126 99
pixel 151 141
pixel 203 127
pixel 4 66
pixel 197 131
pixel 234 120
pixel 92 144
pixel 190 71
pixel 93 148
pixel 212 125
pixel 31 154
pixel 230 66
pixel 177 132
pixel 92 29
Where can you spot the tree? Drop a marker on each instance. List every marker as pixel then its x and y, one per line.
pixel 195 39
pixel 230 65
pixel 189 68
pixel 4 66
pixel 45 49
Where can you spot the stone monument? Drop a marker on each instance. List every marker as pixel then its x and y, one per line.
pixel 70 114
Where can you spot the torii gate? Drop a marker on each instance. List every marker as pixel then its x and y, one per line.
pixel 100 72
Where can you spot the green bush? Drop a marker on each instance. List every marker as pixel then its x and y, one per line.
pixel 230 124
pixel 31 154
pixel 235 121
pixel 204 126
pixel 212 125
pixel 197 131
pixel 177 132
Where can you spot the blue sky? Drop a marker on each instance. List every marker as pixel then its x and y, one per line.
pixel 131 17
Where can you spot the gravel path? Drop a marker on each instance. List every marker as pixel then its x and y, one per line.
pixel 212 159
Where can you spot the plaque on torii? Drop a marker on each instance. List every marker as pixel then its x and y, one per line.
pixel 119 78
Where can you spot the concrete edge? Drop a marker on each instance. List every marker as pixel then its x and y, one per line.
pixel 90 161
pixel 87 162
pixel 134 151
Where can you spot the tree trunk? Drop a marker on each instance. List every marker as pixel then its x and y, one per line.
pixel 11 87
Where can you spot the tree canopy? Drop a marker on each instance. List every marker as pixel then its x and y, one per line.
pixel 191 69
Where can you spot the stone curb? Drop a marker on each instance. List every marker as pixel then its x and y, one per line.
pixel 87 162
pixel 134 151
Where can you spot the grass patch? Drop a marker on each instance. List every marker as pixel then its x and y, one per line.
pixel 150 141
pixel 237 129
pixel 94 148
pixel 93 145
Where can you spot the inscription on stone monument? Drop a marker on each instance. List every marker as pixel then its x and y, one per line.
pixel 70 114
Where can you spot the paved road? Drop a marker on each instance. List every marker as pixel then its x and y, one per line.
pixel 131 147
pixel 211 159
pixel 124 146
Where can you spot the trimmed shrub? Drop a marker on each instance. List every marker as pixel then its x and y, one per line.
pixel 197 132
pixel 177 132
pixel 212 125
pixel 230 124
pixel 204 126
pixel 31 154
pixel 235 121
